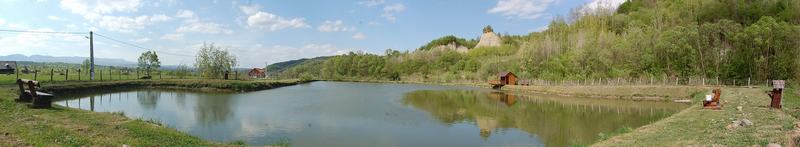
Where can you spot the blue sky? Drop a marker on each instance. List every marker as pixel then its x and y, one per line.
pixel 262 31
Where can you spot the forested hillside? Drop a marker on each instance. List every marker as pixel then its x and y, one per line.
pixel 726 39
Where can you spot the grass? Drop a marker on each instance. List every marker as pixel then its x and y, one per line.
pixel 60 126
pixel 696 126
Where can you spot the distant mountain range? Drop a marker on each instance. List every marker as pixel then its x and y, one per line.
pixel 73 60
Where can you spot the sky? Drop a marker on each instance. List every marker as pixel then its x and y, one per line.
pixel 262 32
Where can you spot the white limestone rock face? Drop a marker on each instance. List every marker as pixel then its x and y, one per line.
pixel 489 39
pixel 452 46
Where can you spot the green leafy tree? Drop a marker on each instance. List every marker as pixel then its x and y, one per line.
pixel 213 61
pixel 149 62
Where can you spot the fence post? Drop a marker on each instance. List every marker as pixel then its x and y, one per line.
pixel 676 80
pixel 110 76
pixel 51 75
pixel 66 75
pixel 101 74
pixel 748 81
pixel 79 75
pixel 35 73
pixel 137 73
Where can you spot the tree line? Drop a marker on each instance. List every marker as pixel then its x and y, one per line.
pixel 726 39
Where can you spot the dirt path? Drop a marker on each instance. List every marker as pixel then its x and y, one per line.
pixel 696 126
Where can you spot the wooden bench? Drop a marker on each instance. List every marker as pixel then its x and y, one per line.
pixel 714 103
pixel 39 99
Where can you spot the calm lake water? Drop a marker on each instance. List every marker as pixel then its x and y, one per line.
pixel 374 114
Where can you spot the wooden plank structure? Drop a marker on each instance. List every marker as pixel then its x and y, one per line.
pixel 776 93
pixel 505 78
pixel 39 99
pixel 712 101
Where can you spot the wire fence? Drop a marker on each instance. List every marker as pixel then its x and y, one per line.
pixel 674 81
pixel 67 75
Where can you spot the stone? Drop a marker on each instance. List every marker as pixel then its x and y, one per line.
pixel 746 122
pixel 739 123
pixel 773 145
pixel 739 108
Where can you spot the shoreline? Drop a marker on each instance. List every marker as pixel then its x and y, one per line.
pixel 666 93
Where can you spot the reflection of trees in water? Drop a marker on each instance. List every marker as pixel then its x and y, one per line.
pixel 180 98
pixel 556 123
pixel 213 108
pixel 148 98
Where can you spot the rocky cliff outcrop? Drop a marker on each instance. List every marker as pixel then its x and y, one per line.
pixel 452 46
pixel 489 38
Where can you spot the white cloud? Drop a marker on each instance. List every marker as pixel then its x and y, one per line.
pixel 141 40
pixel 334 26
pixel 249 10
pixel 523 9
pixel 173 37
pixel 359 36
pixel 94 9
pixel 272 22
pixel 604 5
pixel 55 18
pixel 371 3
pixel 185 14
pixel 130 24
pixel 389 11
pixel 203 27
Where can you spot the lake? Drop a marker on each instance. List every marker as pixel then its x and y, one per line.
pixel 378 114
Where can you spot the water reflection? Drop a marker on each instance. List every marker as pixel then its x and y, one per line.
pixel 557 121
pixel 213 109
pixel 209 108
pixel 371 114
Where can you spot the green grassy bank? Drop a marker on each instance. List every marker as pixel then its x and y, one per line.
pixel 695 126
pixel 60 126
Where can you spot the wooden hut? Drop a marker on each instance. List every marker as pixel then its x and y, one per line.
pixel 507 78
pixel 257 73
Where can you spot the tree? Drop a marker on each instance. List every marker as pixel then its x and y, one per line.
pixel 182 71
pixel 488 29
pixel 86 65
pixel 213 61
pixel 148 62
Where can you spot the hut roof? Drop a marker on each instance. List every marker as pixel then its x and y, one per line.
pixel 503 74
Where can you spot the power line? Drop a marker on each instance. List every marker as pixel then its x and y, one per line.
pixel 139 47
pixel 41 32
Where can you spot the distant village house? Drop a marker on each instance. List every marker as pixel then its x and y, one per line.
pixel 256 73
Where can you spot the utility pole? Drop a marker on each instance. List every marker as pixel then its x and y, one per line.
pixel 91 55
